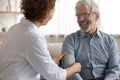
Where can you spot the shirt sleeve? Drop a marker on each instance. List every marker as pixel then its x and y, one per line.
pixel 113 68
pixel 68 60
pixel 39 58
pixel 68 45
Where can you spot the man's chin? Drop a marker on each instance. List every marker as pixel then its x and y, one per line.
pixel 85 30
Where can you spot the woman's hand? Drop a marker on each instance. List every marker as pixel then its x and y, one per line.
pixel 58 58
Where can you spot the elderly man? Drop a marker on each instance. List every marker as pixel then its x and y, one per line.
pixel 95 50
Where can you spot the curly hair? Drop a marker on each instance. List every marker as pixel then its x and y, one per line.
pixel 34 10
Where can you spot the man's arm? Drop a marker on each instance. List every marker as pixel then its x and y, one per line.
pixel 68 60
pixel 68 46
pixel 74 68
pixel 113 68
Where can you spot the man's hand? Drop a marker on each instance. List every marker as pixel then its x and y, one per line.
pixel 58 58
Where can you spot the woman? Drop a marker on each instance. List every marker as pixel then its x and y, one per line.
pixel 24 49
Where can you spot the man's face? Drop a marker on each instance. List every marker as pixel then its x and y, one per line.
pixel 85 18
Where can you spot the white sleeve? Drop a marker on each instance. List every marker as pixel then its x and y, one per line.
pixel 39 58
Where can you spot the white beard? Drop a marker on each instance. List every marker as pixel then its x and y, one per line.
pixel 88 29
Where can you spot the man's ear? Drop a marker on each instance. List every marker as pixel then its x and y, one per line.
pixel 97 16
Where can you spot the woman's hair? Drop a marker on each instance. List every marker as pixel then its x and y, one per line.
pixel 36 9
pixel 91 3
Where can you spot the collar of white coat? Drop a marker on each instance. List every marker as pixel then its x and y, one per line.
pixel 28 23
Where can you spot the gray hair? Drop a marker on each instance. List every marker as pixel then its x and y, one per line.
pixel 93 6
pixel 90 3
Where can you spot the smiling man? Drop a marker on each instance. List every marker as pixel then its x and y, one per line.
pixel 95 50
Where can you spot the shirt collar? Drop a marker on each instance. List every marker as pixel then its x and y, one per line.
pixel 99 33
pixel 83 34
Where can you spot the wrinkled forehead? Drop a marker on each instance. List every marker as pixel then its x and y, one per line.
pixel 83 9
